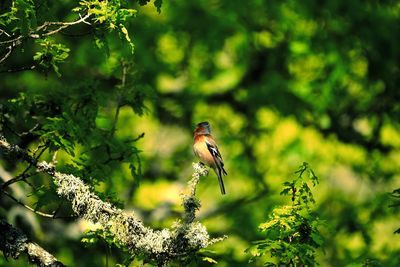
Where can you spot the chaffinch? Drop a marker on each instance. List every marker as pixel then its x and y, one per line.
pixel 206 149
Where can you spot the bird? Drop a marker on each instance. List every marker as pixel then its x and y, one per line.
pixel 206 149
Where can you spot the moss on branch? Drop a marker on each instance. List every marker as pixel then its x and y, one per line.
pixel 13 242
pixel 185 236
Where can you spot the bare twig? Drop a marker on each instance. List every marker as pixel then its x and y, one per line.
pixel 43 214
pixel 28 207
pixel 4 32
pixel 19 69
pixel 10 48
pixel 44 147
pixel 25 174
pixel 4 177
pixel 62 25
pixel 36 33
pixel 54 158
pixel 17 178
pixel 34 128
pixel 123 83
pixel 140 136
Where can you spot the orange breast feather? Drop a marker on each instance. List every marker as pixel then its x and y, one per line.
pixel 202 152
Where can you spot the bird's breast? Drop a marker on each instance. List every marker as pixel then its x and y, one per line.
pixel 201 151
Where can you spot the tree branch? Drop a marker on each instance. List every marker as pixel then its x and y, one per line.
pixel 19 69
pixel 36 33
pixel 7 54
pixel 13 242
pixel 161 246
pixel 28 207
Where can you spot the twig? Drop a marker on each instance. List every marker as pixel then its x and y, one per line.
pixel 4 177
pixel 62 25
pixel 34 128
pixel 17 178
pixel 24 174
pixel 140 136
pixel 28 207
pixel 54 158
pixel 4 32
pixel 7 54
pixel 123 82
pixel 44 26
pixel 19 69
pixel 114 126
pixel 44 146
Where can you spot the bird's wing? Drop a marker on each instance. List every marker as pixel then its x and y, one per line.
pixel 213 149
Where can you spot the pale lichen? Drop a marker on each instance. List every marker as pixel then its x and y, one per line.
pixel 13 242
pixel 184 238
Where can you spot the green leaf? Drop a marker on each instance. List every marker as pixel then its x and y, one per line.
pixel 158 4
pixel 209 260
pixel 26 16
pixel 318 239
pixel 127 38
pixel 51 55
pixel 267 225
pixel 45 197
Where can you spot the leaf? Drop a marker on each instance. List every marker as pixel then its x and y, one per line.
pixel 51 55
pixel 209 260
pixel 143 2
pixel 396 192
pixel 46 197
pixel 158 4
pixel 285 191
pixel 9 17
pixel 127 38
pixel 317 239
pixel 26 15
pixel 267 225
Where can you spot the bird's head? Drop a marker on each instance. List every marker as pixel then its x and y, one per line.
pixel 202 128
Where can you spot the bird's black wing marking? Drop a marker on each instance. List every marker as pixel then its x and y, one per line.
pixel 217 156
pixel 220 165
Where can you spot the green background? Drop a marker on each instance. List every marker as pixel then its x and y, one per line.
pixel 281 82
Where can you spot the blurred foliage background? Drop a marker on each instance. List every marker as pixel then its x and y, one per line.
pixel 281 82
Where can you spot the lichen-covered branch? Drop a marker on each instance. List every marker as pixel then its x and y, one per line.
pixel 190 202
pixel 184 238
pixel 13 242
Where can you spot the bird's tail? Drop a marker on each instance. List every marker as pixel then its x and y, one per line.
pixel 220 181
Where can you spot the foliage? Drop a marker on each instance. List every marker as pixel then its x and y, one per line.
pixel 108 15
pixel 51 55
pixel 280 82
pixel 396 203
pixel 292 233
